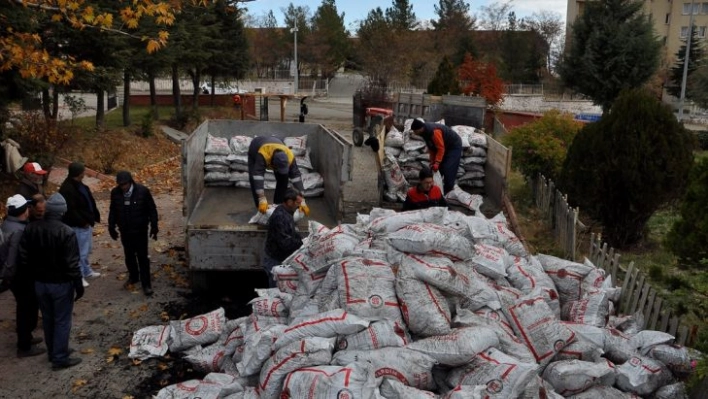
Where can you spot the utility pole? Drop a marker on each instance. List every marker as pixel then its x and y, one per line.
pixel 685 65
pixel 295 89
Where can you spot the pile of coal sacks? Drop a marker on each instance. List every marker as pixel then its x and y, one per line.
pixel 425 304
pixel 406 153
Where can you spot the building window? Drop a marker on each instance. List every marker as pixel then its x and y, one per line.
pixel 687 8
pixel 684 32
pixel 701 31
pixel 704 8
pixel 668 18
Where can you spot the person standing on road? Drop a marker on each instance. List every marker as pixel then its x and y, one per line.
pixel 132 210
pixel 37 207
pixel 49 251
pixel 426 194
pixel 444 147
pixel 32 180
pixel 19 279
pixel 271 153
pixel 282 238
pixel 81 215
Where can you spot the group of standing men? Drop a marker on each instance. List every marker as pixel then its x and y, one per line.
pixel 45 247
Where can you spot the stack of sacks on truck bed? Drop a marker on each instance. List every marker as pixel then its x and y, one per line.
pixel 424 304
pixel 406 154
pixel 226 164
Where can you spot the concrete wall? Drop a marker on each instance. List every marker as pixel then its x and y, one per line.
pixel 537 104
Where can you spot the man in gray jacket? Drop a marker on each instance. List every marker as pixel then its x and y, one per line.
pixel 20 281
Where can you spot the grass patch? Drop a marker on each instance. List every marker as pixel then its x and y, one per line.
pixel 538 236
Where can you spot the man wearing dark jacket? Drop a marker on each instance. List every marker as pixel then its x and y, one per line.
pixel 444 147
pixel 20 280
pixel 132 210
pixel 282 239
pixel 81 215
pixel 49 251
pixel 271 153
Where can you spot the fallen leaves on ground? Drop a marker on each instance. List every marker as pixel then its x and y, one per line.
pixel 113 353
pixel 78 384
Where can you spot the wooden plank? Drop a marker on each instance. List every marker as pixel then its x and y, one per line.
pixel 614 270
pixel 673 326
pixel 648 306
pixel 651 325
pixel 637 293
pixel 643 297
pixel 628 288
pixel 664 324
pixel 682 335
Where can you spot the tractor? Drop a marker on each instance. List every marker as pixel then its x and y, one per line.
pixel 376 119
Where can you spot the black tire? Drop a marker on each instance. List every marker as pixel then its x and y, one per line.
pixel 358 137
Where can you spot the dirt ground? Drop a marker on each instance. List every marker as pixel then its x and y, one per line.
pixel 106 317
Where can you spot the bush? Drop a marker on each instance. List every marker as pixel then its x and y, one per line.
pixel 702 139
pixel 541 146
pixel 689 235
pixel 624 167
pixel 146 126
pixel 40 139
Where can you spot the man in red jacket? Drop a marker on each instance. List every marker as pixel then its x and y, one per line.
pixel 425 195
pixel 445 148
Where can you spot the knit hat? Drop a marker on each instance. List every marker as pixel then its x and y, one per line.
pixel 17 205
pixel 33 168
pixel 417 123
pixel 123 177
pixel 76 168
pixel 280 163
pixel 56 205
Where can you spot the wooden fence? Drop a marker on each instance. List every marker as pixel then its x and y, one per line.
pixel 638 295
pixel 562 218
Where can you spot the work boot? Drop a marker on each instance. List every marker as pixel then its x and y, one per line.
pixel 49 355
pixel 148 291
pixel 32 351
pixel 72 361
pixel 36 340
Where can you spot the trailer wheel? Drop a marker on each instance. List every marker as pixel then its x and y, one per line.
pixel 358 137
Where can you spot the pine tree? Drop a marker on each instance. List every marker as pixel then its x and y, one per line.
pixel 624 167
pixel 445 80
pixel 695 56
pixel 689 235
pixel 613 47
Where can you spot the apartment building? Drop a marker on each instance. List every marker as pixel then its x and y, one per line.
pixel 671 22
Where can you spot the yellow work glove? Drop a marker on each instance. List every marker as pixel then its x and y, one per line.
pixel 304 208
pixel 262 205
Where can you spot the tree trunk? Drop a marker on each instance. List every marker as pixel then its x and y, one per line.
pixel 100 109
pixel 126 98
pixel 153 97
pixel 176 95
pixel 45 105
pixel 55 104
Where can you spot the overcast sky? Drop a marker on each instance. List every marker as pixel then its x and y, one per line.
pixel 356 10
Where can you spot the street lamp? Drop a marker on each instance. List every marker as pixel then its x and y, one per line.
pixel 294 31
pixel 685 65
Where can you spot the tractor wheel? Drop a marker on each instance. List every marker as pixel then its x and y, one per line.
pixel 358 137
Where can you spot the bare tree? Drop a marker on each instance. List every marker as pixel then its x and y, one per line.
pixel 549 25
pixel 494 17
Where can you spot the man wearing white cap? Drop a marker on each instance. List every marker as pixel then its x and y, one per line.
pixel 19 278
pixel 32 179
pixel 271 153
